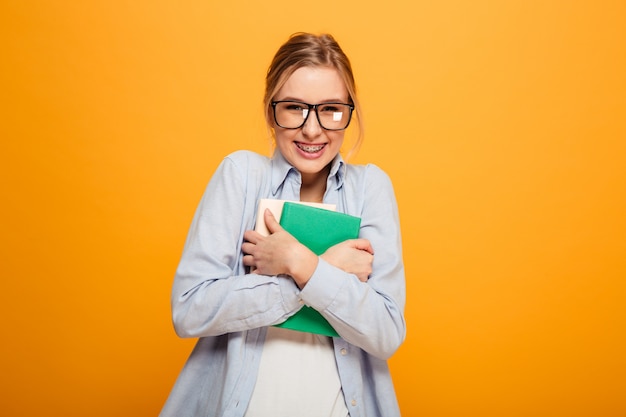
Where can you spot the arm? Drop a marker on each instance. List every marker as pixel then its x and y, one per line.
pixel 368 314
pixel 212 294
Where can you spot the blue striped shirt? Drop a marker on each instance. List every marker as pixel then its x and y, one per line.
pixel 215 300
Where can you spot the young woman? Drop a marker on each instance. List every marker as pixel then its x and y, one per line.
pixel 241 365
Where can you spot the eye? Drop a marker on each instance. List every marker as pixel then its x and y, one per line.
pixel 294 107
pixel 330 108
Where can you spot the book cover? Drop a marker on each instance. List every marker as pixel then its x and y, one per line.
pixel 318 229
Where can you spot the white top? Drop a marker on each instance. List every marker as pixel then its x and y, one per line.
pixel 297 377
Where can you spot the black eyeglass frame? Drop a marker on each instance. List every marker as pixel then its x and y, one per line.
pixel 314 108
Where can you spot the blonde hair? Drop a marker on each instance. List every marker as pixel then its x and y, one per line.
pixel 309 50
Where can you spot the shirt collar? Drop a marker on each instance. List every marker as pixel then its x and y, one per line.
pixel 281 169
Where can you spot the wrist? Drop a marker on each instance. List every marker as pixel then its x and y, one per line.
pixel 303 265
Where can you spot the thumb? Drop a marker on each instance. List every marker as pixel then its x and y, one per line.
pixel 270 222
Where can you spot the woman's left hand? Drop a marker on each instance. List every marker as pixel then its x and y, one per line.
pixel 354 256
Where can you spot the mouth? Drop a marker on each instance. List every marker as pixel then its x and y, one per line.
pixel 310 148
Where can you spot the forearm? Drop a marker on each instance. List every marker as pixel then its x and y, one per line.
pixel 210 307
pixel 362 315
pixel 212 294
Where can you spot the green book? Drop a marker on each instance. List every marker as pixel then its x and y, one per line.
pixel 318 229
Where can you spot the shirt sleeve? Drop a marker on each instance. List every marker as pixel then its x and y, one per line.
pixel 369 315
pixel 212 294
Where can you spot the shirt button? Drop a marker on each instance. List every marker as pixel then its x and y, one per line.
pixel 343 351
pixel 301 302
pixel 353 402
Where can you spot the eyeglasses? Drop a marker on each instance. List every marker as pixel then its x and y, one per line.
pixel 294 114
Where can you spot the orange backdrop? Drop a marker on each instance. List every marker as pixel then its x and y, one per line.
pixel 502 125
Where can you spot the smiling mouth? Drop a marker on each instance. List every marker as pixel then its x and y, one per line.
pixel 310 148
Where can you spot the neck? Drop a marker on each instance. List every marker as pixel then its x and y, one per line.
pixel 313 186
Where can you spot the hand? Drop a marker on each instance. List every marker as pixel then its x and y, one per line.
pixel 352 256
pixel 279 253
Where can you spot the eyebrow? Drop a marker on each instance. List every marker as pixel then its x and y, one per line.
pixel 332 100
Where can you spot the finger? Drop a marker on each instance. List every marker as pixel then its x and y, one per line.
pixel 363 244
pixel 270 222
pixel 248 260
pixel 252 236
pixel 363 277
pixel 247 247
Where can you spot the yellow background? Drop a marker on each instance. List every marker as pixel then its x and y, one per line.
pixel 501 123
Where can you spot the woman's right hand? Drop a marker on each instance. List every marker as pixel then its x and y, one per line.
pixel 353 256
pixel 279 253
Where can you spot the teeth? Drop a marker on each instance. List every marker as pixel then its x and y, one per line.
pixel 310 148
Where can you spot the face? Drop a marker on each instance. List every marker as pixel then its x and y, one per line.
pixel 310 149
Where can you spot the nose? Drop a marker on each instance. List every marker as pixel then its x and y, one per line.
pixel 312 126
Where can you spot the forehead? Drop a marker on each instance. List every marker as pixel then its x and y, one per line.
pixel 314 85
